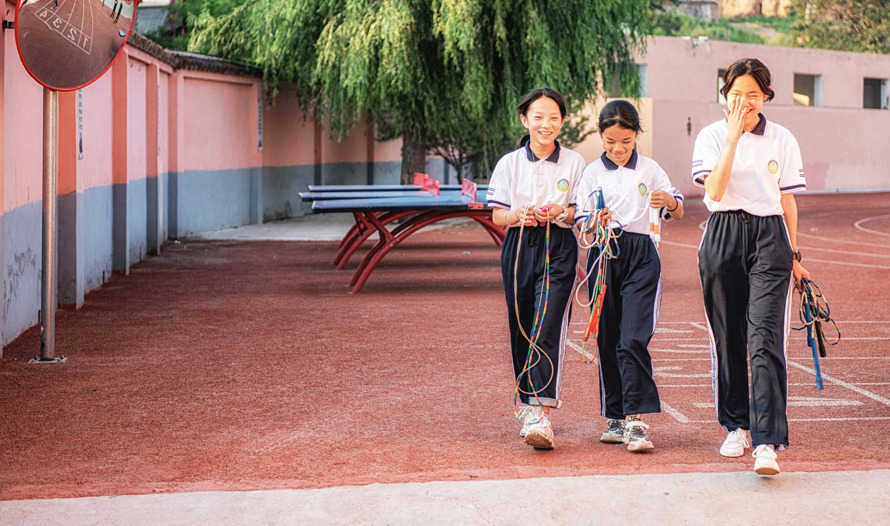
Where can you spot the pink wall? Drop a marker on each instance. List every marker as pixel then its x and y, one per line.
pixel 163 123
pixel 136 154
pixel 218 131
pixel 95 167
pixel 22 130
pixel 288 138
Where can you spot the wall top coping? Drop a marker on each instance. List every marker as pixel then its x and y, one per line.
pixel 192 61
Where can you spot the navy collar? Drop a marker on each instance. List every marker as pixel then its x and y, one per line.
pixel 760 129
pixel 530 155
pixel 631 163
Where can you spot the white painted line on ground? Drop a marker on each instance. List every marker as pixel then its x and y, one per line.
pixel 678 416
pixel 696 345
pixel 800 401
pixel 858 225
pixel 844 263
pixel 846 241
pixel 846 252
pixel 842 383
pixel 660 371
pixel 583 353
pixel 699 325
pixel 686 385
pixel 682 351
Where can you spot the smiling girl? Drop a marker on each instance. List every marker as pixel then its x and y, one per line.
pixel 530 187
pixel 748 261
pixel 631 184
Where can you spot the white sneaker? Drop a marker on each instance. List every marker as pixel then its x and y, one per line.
pixel 540 434
pixel 528 415
pixel 735 444
pixel 765 463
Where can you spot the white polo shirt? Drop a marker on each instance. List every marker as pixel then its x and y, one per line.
pixel 767 164
pixel 521 178
pixel 625 191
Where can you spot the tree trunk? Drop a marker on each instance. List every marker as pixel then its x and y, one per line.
pixel 413 155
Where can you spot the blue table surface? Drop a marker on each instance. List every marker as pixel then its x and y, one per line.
pixel 444 202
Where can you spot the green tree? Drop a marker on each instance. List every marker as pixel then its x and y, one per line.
pixel 862 26
pixel 445 75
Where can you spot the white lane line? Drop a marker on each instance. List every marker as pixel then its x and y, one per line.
pixel 678 416
pixel 660 371
pixel 583 353
pixel 846 241
pixel 846 252
pixel 837 419
pixel 699 325
pixel 842 383
pixel 800 401
pixel 858 225
pixel 681 351
pixel 843 263
pixel 687 385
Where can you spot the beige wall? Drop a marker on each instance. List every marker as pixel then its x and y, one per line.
pixel 844 146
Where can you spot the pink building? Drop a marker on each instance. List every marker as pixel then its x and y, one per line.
pixel 168 144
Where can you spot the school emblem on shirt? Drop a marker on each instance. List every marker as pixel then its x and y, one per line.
pixel 643 190
pixel 773 166
pixel 563 185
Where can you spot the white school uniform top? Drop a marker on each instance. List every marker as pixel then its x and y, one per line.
pixel 521 178
pixel 767 164
pixel 625 191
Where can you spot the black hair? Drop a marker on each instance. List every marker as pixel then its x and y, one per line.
pixel 621 113
pixel 752 67
pixel 534 95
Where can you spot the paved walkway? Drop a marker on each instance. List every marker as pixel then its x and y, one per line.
pixel 850 497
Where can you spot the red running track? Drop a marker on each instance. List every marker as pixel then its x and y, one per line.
pixel 247 365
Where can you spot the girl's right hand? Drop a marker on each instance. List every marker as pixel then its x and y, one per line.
pixel 525 215
pixel 606 217
pixel 735 118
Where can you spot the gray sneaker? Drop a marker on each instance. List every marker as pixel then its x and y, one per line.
pixel 614 434
pixel 635 435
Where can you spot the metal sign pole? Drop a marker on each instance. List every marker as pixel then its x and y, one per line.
pixel 50 229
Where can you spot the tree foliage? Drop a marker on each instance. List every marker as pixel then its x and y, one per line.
pixel 841 25
pixel 445 75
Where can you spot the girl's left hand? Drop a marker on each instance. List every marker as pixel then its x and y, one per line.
pixel 799 273
pixel 548 212
pixel 662 199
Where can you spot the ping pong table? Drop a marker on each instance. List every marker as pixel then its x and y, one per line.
pixel 420 209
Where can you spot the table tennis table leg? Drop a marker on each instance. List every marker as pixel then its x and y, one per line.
pixel 497 233
pixel 385 237
pixel 347 251
pixel 380 250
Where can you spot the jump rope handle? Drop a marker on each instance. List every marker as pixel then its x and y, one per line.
pixel 811 341
pixel 655 225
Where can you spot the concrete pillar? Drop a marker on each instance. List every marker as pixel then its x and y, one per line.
pixel 255 208
pixel 71 207
pixel 175 147
pixel 152 188
pixel 120 237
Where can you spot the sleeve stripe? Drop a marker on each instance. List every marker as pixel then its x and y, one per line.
pixel 492 201
pixel 792 187
pixel 701 172
pixel 697 163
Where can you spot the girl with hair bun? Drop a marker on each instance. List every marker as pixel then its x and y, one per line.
pixel 631 185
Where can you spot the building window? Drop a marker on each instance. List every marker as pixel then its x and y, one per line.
pixel 875 94
pixel 807 90
pixel 720 74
